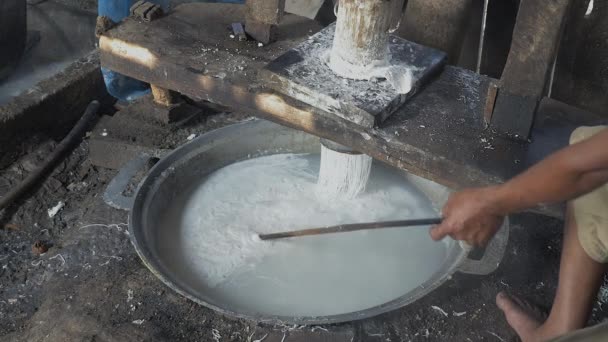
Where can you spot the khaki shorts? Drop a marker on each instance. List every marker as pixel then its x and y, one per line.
pixel 591 210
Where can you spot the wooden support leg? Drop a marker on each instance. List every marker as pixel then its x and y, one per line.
pixel 165 97
pixel 168 106
pixel 262 18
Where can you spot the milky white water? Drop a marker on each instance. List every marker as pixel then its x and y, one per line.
pixel 208 238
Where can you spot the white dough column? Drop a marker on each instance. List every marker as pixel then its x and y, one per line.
pixel 361 39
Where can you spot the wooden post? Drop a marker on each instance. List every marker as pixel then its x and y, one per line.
pixel 536 36
pixel 361 38
pixel 262 18
pixel 164 97
pixel 440 24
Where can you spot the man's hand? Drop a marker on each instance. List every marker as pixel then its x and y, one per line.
pixel 471 215
pixel 475 215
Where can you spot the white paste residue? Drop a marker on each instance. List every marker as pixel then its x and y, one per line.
pixel 360 44
pixel 56 209
pixel 342 175
pixel 589 9
pixel 371 69
pixel 208 238
pixel 401 77
pixel 351 59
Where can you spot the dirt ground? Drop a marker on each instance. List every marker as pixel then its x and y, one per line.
pixel 91 286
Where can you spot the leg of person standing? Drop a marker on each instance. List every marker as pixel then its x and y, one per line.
pixel 583 264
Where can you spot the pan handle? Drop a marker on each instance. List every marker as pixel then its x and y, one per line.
pixel 492 256
pixel 114 195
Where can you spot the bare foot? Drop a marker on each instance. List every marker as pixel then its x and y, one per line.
pixel 526 319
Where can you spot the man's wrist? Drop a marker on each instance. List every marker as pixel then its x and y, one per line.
pixel 503 200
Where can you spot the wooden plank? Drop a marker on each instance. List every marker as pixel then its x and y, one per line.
pixel 262 18
pixel 440 134
pixel 440 24
pixel 265 11
pixel 536 36
pixel 304 74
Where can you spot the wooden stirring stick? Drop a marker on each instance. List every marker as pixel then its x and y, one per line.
pixel 350 228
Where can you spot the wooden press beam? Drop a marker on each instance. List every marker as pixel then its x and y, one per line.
pixel 535 41
pixel 439 134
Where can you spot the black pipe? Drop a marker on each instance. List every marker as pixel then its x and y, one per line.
pixel 65 146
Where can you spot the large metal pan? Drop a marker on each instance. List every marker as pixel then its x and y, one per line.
pixel 214 150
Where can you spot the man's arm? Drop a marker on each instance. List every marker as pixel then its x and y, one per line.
pixel 474 215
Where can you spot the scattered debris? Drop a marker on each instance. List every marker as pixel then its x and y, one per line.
pixel 440 310
pixel 104 133
pixel 77 186
pixel 129 295
pixel 422 126
pixel 54 210
pixel 215 334
pixel 39 247
pixel 11 226
pixel 118 226
pixel 60 257
pixel 458 314
pixel 191 136
pixel 239 31
pixel 602 295
pixel 139 321
pixel 496 335
pixel 12 301
pixel 260 44
pixel 589 9
pixel 232 36
pixel 261 339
